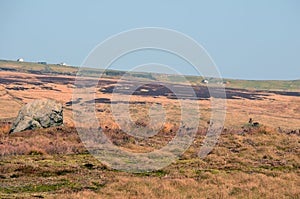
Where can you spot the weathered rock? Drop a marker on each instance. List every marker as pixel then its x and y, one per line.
pixel 38 114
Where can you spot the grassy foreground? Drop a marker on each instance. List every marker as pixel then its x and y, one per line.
pixel 246 163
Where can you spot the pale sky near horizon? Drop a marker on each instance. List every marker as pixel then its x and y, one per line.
pixel 246 39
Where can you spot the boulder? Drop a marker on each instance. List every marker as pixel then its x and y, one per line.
pixel 38 114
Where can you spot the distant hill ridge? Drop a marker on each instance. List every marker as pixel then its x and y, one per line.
pixel 59 69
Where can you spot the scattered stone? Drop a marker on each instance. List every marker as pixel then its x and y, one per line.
pixel 255 124
pixel 294 132
pixel 250 121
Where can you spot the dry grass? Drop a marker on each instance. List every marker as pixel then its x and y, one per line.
pixel 246 163
pixel 57 140
pixel 5 128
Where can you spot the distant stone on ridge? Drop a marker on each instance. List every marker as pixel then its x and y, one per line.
pixel 38 114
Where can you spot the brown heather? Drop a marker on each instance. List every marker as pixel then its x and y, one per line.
pixel 246 163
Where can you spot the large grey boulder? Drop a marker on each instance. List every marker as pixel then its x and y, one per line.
pixel 38 114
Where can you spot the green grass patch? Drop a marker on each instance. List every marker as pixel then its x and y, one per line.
pixel 33 188
pixel 158 173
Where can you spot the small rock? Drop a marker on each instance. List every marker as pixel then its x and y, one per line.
pixel 255 124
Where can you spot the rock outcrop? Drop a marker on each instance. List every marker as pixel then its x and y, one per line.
pixel 38 114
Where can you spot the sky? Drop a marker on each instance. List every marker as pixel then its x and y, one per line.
pixel 246 39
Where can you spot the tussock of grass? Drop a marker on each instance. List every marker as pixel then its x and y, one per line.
pixel 57 140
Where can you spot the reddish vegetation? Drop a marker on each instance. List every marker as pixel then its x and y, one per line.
pixel 57 140
pixel 253 162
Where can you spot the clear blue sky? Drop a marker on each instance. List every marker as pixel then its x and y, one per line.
pixel 247 39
